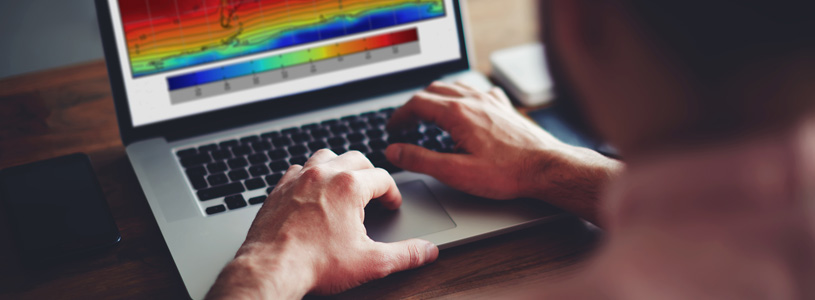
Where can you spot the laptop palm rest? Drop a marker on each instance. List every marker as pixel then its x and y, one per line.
pixel 420 214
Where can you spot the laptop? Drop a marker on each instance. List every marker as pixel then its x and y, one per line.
pixel 215 99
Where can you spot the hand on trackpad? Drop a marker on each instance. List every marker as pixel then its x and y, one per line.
pixel 420 214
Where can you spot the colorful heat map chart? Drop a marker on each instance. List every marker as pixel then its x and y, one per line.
pixel 292 59
pixel 167 35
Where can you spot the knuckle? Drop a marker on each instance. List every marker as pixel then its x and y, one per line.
pixel 414 254
pixel 457 108
pixel 314 174
pixel 346 179
pixel 323 151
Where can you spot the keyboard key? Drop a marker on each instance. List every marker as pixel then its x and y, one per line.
pixel 359 147
pixel 269 190
pixel 369 114
pixel 310 127
pixel 220 191
pixel 300 138
pixel 216 167
pixel 250 139
pixel 254 184
pixel 199 170
pixel 195 160
pixel 235 201
pixel 187 152
pixel 282 142
pixel 217 179
pixel 290 131
pixel 279 166
pixel 330 122
pixel 433 144
pixel 376 156
pixel 273 179
pixel 388 111
pixel 298 160
pixel 339 150
pixel 221 154
pixel 298 150
pixel 198 182
pixel 237 163
pixel 355 138
pixel 340 129
pixel 432 131
pixel 378 145
pixel 349 119
pixel 377 121
pixel 216 209
pixel 238 175
pixel 262 146
pixel 375 134
pixel 258 158
pixel 314 146
pixel 241 150
pixel 278 154
pixel 359 125
pixel 336 142
pixel 257 200
pixel 228 144
pixel 258 170
pixel 320 133
pixel 271 135
pixel 207 148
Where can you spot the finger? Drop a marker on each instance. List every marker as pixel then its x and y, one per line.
pixel 499 94
pixel 406 255
pixel 290 174
pixel 351 160
pixel 321 156
pixel 442 166
pixel 425 106
pixel 446 89
pixel 466 86
pixel 382 187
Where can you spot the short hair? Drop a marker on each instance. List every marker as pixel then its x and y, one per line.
pixel 716 37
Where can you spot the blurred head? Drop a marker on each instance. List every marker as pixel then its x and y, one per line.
pixel 652 74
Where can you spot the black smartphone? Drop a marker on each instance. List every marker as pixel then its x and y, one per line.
pixel 56 209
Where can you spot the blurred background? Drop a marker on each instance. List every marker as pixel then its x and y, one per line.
pixel 43 34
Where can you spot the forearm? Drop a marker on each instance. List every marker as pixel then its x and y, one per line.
pixel 575 181
pixel 262 273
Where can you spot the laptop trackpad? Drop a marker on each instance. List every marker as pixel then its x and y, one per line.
pixel 420 214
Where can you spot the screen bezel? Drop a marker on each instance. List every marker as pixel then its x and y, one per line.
pixel 267 109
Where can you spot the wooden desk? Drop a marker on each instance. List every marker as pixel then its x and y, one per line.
pixel 69 110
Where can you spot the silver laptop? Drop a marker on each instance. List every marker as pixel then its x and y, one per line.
pixel 215 99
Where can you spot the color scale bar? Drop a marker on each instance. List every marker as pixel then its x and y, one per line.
pixel 291 59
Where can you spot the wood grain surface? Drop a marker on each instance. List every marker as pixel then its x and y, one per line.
pixel 68 110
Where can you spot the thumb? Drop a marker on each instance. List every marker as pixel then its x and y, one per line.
pixel 421 160
pixel 408 254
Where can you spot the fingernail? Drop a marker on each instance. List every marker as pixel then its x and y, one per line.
pixel 431 252
pixel 395 153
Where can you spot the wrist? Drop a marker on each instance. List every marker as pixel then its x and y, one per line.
pixel 261 271
pixel 571 178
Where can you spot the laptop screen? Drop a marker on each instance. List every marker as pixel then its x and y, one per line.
pixel 186 57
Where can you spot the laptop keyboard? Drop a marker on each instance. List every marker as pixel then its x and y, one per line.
pixel 226 169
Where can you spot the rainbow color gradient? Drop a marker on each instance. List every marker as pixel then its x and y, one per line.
pixel 169 35
pixel 291 59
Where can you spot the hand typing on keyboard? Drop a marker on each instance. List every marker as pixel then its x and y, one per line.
pixel 309 235
pixel 499 153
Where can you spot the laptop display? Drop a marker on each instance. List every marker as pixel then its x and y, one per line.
pixel 187 57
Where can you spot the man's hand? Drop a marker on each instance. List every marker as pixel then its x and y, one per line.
pixel 309 238
pixel 502 154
